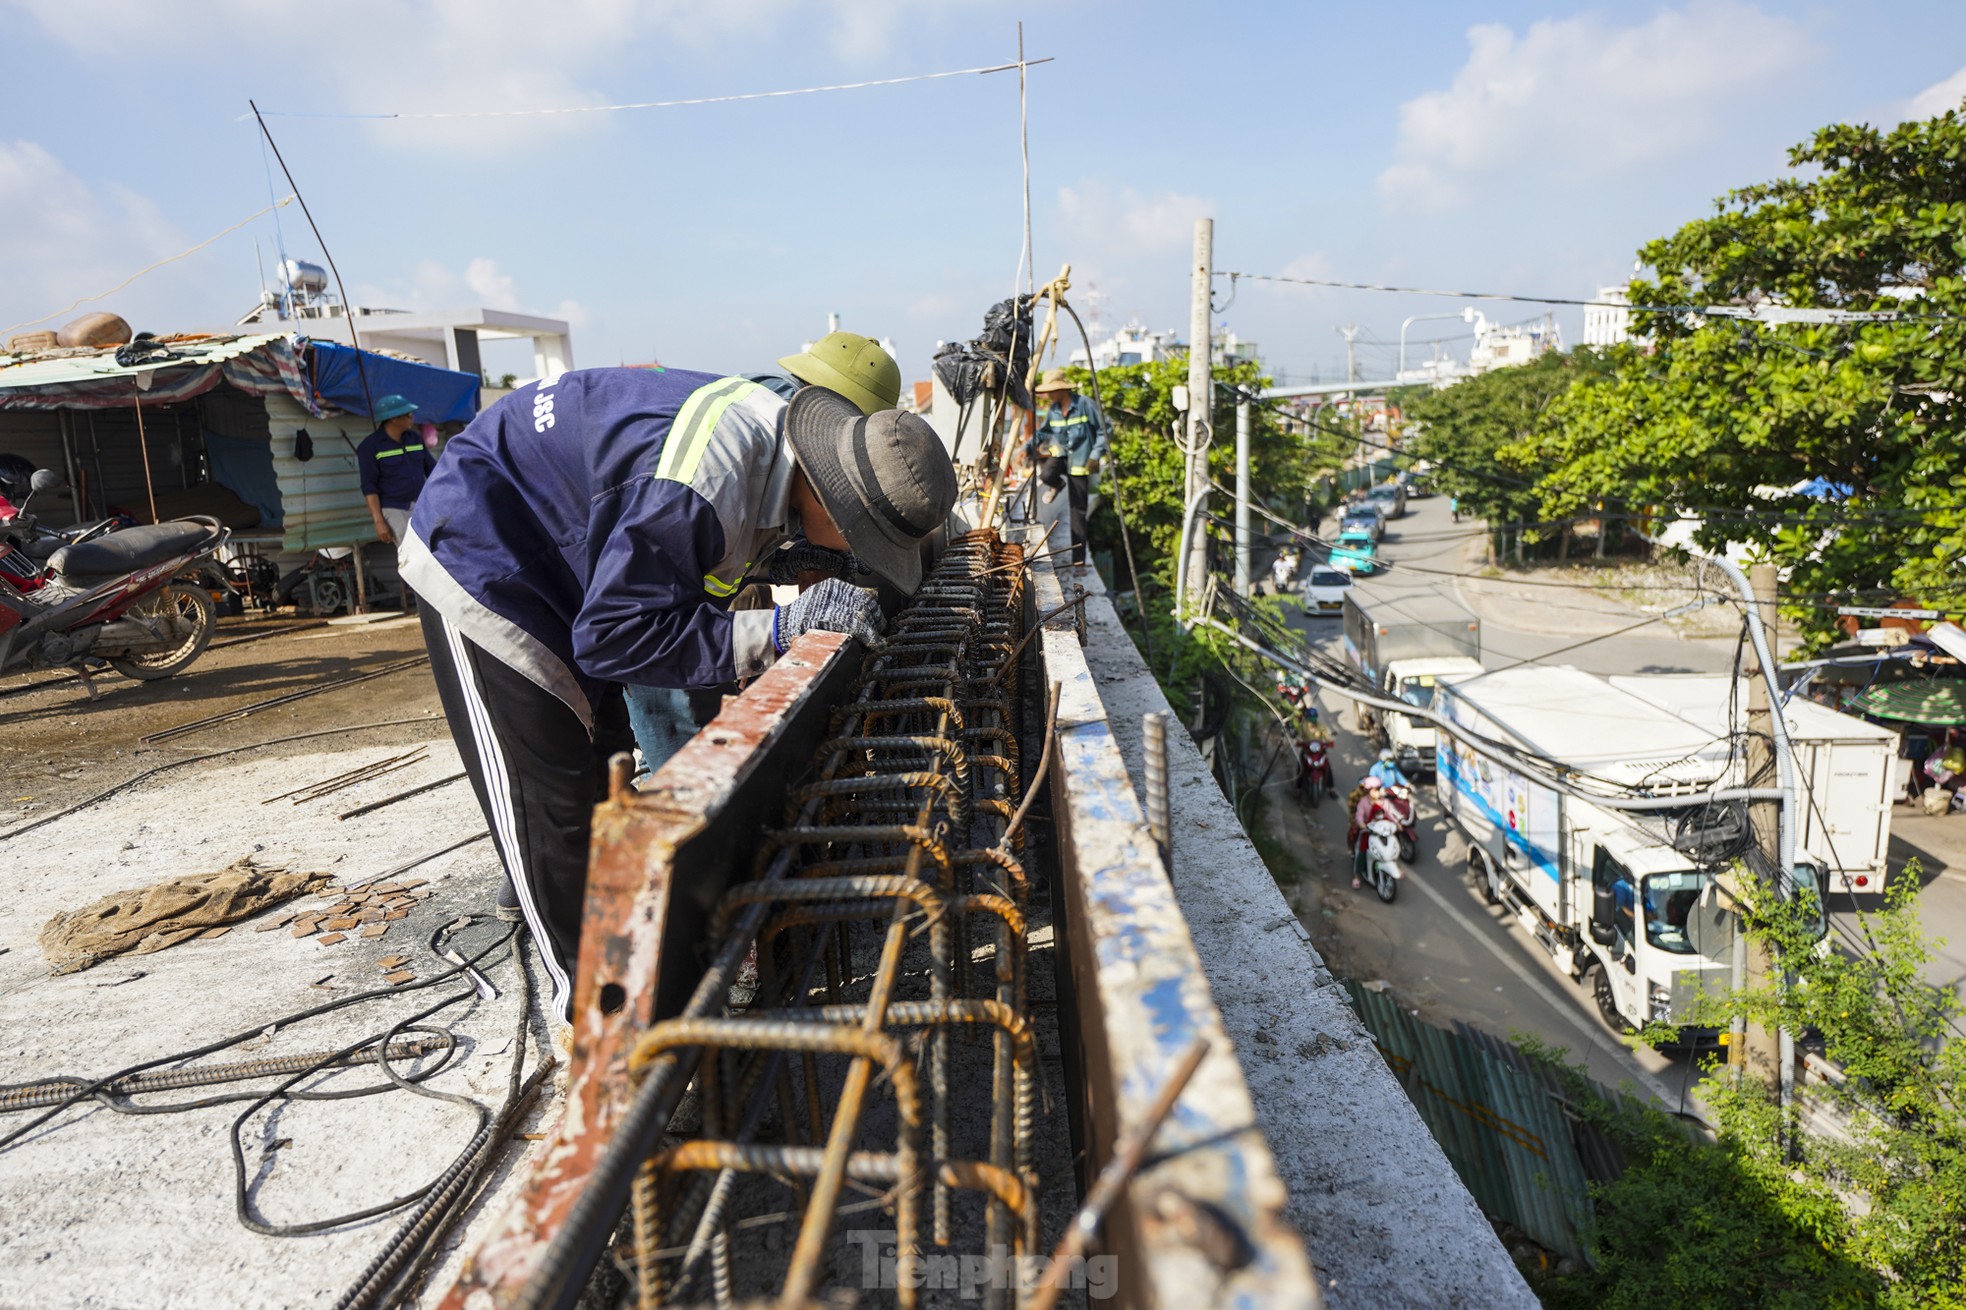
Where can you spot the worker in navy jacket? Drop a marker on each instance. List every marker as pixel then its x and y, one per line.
pixel 586 532
pixel 394 463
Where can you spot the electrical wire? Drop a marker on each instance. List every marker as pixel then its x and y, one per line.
pixel 658 104
pixel 1765 312
pixel 152 268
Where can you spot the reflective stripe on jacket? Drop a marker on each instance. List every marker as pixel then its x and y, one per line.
pixel 1076 432
pixel 589 529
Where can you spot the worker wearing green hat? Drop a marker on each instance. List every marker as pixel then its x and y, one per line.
pixel 393 461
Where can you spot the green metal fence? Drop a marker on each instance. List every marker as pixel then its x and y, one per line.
pixel 1501 1120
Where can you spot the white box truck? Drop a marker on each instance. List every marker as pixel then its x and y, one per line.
pixel 1605 892
pixel 1407 645
pixel 1846 767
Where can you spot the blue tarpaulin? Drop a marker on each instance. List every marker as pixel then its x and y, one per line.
pixel 441 395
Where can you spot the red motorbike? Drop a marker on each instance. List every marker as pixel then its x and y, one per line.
pixel 1314 768
pixel 114 599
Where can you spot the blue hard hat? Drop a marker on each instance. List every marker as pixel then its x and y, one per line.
pixel 392 406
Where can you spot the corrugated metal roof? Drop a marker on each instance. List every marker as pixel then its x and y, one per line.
pixel 27 371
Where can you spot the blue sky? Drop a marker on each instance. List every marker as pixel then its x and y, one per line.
pixel 1522 147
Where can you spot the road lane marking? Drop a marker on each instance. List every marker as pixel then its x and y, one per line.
pixel 1592 1032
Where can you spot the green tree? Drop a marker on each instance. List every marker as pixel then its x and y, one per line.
pixel 1894 1196
pixel 1481 434
pixel 1718 418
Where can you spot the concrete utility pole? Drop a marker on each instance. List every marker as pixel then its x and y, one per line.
pixel 1243 584
pixel 1201 397
pixel 1351 357
pixel 1756 1050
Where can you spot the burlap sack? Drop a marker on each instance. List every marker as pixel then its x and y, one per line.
pixel 147 919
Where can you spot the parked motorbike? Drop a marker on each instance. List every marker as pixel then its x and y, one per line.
pixel 114 599
pixel 1398 800
pixel 1382 858
pixel 1314 769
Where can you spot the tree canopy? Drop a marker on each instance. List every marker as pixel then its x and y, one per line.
pixel 1727 421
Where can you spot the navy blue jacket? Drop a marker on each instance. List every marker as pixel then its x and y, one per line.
pixel 394 471
pixel 591 529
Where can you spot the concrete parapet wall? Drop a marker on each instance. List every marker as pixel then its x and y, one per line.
pixel 1383 1215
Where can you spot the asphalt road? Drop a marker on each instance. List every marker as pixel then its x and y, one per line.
pixel 1441 948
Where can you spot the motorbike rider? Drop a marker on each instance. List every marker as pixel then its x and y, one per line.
pixel 1365 804
pixel 1386 770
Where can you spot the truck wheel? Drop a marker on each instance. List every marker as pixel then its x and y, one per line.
pixel 1483 874
pixel 1607 1001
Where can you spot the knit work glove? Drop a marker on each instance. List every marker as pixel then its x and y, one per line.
pixel 785 565
pixel 833 606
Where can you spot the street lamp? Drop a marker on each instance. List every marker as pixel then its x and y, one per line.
pixel 1417 318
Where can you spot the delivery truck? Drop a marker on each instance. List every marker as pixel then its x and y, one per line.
pixel 1407 645
pixel 1846 767
pixel 1607 893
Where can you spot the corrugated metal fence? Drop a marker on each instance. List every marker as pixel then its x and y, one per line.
pixel 1507 1124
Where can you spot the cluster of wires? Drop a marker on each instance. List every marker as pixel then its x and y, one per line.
pixel 409 1052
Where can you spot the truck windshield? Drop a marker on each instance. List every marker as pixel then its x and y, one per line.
pixel 1680 917
pixel 1417 691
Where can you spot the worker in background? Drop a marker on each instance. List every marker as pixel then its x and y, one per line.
pixel 394 462
pixel 665 718
pixel 586 531
pixel 1068 444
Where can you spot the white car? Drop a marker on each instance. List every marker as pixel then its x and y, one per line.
pixel 1324 590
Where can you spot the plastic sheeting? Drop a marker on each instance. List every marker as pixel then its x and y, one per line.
pixel 441 395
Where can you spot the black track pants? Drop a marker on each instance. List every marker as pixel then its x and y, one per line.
pixel 538 775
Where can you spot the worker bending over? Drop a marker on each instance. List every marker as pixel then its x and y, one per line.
pixel 584 532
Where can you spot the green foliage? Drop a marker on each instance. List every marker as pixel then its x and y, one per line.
pixel 1693 1223
pixel 1717 418
pixel 1904 1175
pixel 1151 471
pixel 1480 433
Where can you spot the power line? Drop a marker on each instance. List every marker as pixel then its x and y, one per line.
pixel 1766 312
pixel 661 104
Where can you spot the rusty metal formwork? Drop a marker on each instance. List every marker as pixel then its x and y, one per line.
pixel 881 927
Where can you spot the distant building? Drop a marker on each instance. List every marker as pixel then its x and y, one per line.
pixel 1498 346
pixel 1132 344
pixel 1608 324
pixel 444 338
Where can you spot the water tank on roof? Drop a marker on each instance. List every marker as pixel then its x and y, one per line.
pixel 308 279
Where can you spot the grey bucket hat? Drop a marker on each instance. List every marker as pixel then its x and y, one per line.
pixel 885 478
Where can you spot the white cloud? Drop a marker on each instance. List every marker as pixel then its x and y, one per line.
pixel 1936 98
pixel 1581 97
pixel 1123 222
pixel 66 239
pixel 481 284
pixel 468 55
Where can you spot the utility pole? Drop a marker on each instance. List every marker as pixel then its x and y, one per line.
pixel 1243 585
pixel 1350 331
pixel 1755 1051
pixel 1201 397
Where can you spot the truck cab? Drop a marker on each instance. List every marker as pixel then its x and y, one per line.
pixel 1413 741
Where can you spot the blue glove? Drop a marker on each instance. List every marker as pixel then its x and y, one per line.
pixel 831 606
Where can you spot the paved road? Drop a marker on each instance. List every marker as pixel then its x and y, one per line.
pixel 1441 947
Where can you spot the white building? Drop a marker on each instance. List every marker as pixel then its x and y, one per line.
pixel 1132 344
pixel 447 338
pixel 1497 346
pixel 1608 324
